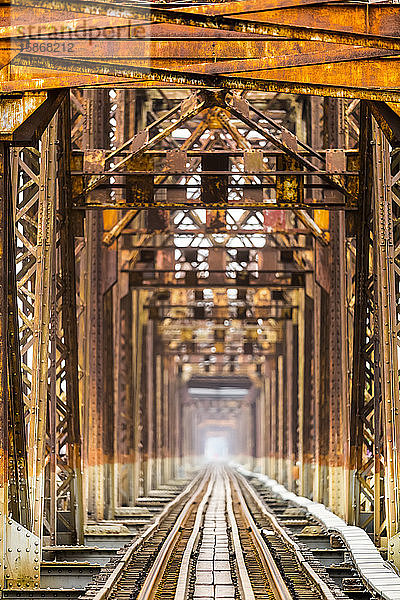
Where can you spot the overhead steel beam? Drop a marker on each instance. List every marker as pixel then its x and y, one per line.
pixel 220 22
pixel 122 74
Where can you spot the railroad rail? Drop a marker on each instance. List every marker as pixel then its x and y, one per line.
pixel 215 540
pixel 365 564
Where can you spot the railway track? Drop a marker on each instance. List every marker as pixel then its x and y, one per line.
pixel 216 540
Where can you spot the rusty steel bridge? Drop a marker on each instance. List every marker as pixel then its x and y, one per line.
pixel 199 261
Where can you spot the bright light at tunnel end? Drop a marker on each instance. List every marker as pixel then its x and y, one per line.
pixel 216 449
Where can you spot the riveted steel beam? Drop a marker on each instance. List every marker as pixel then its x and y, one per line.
pixel 365 394
pixel 44 254
pixel 25 117
pixel 69 428
pixel 214 21
pixel 122 74
pixel 386 252
pixel 19 546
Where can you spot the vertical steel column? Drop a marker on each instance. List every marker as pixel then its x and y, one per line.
pixel 4 350
pixel 174 428
pixel 339 451
pixel 158 419
pixel 324 399
pixel 300 323
pixel 108 351
pixel 19 547
pixel 124 485
pixel 164 418
pixel 5 202
pixel 291 411
pixel 69 423
pixel 305 354
pixel 320 323
pixel 95 136
pixel 42 304
pixel 267 416
pixel 386 249
pixel 281 417
pixel 149 437
pixel 309 387
pixel 45 281
pixel 365 456
pixel 123 410
pixel 273 422
pixel 338 427
pixel 93 368
pixel 171 417
pixel 137 362
pixel 261 422
pixel 375 391
pixel 295 400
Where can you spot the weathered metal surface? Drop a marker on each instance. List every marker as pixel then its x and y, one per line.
pixel 269 23
pixel 256 191
pixel 17 540
pixel 96 111
pixel 22 557
pixel 44 255
pixel 69 432
pixel 385 233
pixel 166 291
pixel 58 43
pixel 338 381
pixel 4 249
pixel 365 392
pixel 15 112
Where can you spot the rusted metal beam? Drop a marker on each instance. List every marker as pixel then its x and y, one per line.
pixel 24 118
pixel 388 119
pixel 74 515
pixel 386 249
pixel 110 236
pixel 338 463
pixel 44 253
pixel 4 374
pixel 229 23
pixel 152 77
pixel 233 54
pixel 17 564
pixel 96 455
pixel 140 143
pixel 195 204
pixel 365 393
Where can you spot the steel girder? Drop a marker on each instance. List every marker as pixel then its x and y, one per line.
pixel 265 171
pixel 40 350
pixel 386 250
pixel 293 48
pixel 47 264
pixel 375 389
pixel 16 520
pixel 45 283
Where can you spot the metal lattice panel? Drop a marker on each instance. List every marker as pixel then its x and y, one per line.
pixel 47 343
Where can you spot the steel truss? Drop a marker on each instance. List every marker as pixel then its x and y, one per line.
pixel 192 46
pixel 303 306
pixel 43 413
pixel 375 393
